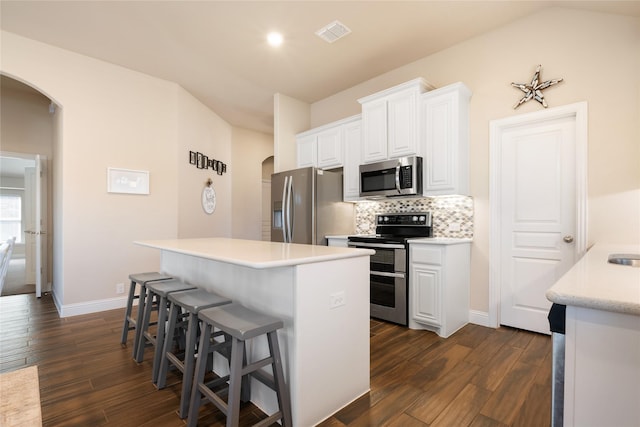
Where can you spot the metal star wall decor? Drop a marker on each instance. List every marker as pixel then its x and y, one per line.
pixel 534 89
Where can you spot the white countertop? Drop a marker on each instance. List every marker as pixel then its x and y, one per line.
pixel 440 240
pixel 254 253
pixel 595 283
pixel 427 240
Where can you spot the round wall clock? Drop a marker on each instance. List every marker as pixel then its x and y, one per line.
pixel 209 199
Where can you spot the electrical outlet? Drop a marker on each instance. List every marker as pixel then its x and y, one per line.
pixel 119 288
pixel 454 226
pixel 336 300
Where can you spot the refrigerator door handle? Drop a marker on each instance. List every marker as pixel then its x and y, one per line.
pixel 285 208
pixel 290 210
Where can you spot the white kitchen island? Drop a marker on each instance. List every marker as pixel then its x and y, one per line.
pixel 322 295
pixel 602 339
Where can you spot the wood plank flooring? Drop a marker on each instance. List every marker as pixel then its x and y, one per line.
pixel 478 377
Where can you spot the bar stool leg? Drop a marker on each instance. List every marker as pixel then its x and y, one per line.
pixel 160 337
pixel 282 391
pixel 201 366
pixel 127 316
pixel 160 373
pixel 143 326
pixel 142 299
pixel 235 382
pixel 189 354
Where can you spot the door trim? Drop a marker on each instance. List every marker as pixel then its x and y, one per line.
pixel 496 127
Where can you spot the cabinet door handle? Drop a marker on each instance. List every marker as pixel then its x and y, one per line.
pixel 568 239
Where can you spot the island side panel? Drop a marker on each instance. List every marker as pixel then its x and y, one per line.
pixel 266 290
pixel 602 368
pixel 332 341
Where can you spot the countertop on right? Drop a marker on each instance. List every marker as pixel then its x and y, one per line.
pixel 595 283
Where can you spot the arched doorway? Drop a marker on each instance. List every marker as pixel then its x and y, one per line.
pixel 27 124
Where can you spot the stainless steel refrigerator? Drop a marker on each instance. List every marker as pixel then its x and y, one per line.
pixel 306 206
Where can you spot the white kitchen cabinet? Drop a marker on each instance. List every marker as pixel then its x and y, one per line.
pixel 323 147
pixel 307 151
pixel 439 285
pixel 338 241
pixel 351 137
pixel 444 131
pixel 390 122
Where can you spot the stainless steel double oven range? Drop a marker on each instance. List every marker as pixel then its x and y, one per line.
pixel 389 269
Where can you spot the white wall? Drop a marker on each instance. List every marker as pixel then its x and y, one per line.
pixel 249 150
pixel 111 116
pixel 598 55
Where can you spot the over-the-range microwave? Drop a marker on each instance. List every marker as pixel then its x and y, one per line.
pixel 392 178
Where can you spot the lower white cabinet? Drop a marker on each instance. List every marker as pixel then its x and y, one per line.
pixel 339 241
pixel 439 285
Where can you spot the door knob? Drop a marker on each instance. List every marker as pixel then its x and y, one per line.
pixel 568 239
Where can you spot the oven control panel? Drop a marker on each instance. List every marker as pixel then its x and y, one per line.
pixel 420 219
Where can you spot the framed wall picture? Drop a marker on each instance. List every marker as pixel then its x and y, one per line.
pixel 127 181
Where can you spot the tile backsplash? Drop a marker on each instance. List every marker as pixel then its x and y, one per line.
pixel 445 211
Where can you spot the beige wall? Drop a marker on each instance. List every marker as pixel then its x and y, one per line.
pixel 598 55
pixel 249 151
pixel 200 130
pixel 111 116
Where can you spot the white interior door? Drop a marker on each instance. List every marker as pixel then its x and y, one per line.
pixel 537 231
pixel 36 225
pixel 41 225
pixel 30 224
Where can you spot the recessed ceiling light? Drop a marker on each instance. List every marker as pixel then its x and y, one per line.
pixel 274 39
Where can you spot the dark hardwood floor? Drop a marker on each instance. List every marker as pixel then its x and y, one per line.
pixel 478 377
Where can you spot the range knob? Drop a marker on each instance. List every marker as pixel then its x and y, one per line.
pixel 414 218
pixel 422 218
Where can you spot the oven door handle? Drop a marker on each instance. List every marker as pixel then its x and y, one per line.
pixel 385 274
pixel 374 245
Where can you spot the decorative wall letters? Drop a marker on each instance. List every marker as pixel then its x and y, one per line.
pixel 201 161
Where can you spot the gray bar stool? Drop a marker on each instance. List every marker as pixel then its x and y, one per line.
pixel 130 323
pixel 184 308
pixel 240 324
pixel 158 291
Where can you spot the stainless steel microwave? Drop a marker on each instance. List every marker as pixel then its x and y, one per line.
pixel 392 178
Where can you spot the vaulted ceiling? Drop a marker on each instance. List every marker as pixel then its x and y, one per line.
pixel 217 50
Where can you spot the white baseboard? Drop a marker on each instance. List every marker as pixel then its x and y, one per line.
pixel 480 318
pixel 90 306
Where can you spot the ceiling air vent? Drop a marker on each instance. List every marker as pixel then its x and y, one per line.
pixel 333 31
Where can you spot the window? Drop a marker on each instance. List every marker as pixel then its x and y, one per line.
pixel 11 217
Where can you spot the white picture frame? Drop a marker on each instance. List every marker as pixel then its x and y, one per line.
pixel 127 181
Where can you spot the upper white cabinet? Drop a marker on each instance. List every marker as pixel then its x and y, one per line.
pixel 444 131
pixel 390 122
pixel 307 150
pixel 323 147
pixel 352 140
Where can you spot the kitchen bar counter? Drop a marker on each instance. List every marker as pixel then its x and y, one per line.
pixel 322 295
pixel 254 253
pixel 602 339
pixel 595 283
